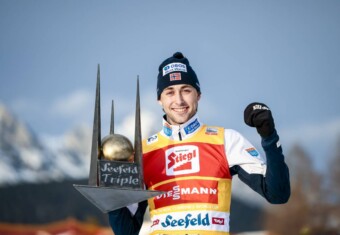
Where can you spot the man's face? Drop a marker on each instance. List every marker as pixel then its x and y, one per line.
pixel 179 103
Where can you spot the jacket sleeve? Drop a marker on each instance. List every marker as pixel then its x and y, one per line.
pixel 123 222
pixel 274 184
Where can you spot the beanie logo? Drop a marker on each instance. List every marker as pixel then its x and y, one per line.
pixel 175 77
pixel 174 67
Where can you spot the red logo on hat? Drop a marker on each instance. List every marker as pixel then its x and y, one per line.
pixel 175 77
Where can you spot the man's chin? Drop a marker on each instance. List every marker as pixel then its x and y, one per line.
pixel 182 120
pixel 179 119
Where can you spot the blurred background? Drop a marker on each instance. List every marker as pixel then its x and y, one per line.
pixel 282 53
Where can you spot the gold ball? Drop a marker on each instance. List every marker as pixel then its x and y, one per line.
pixel 117 147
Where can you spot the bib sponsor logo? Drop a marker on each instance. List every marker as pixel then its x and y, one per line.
pixel 182 160
pixel 211 131
pixel 188 221
pixel 152 139
pixel 187 191
pixel 216 220
pixel 173 67
pixel 178 192
pixel 155 222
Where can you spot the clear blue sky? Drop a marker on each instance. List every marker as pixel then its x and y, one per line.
pixel 283 53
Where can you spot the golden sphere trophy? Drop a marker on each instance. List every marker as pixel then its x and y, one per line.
pixel 116 170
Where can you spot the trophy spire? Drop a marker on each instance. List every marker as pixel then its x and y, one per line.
pixel 96 136
pixel 112 123
pixel 138 137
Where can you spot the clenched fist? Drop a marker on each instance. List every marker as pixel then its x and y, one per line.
pixel 259 115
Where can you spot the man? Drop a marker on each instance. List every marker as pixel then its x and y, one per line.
pixel 194 163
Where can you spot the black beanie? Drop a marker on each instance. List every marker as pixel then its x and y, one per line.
pixel 176 70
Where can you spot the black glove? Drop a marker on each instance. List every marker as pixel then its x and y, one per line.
pixel 259 115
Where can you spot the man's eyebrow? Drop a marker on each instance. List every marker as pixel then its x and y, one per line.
pixel 181 88
pixel 168 88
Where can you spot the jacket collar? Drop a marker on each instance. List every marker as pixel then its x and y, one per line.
pixel 183 131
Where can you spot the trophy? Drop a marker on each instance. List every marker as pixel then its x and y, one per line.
pixel 116 168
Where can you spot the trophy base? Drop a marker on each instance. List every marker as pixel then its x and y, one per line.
pixel 111 198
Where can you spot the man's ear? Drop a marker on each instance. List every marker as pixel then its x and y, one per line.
pixel 160 102
pixel 198 96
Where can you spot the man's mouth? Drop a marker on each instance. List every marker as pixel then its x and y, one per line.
pixel 180 110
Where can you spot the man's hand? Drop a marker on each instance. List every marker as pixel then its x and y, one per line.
pixel 259 115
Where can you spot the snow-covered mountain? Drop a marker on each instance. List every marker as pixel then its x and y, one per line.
pixel 26 158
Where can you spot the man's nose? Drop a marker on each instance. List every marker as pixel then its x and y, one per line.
pixel 179 98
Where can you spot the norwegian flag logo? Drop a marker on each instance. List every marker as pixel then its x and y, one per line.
pixel 175 77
